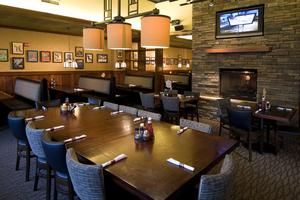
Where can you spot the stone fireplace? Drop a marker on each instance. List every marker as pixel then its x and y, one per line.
pixel 238 83
pixel 277 68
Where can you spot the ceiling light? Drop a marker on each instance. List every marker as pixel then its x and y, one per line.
pixel 155 31
pixel 186 37
pixel 119 36
pixel 93 38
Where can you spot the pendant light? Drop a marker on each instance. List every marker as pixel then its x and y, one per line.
pixel 93 38
pixel 155 31
pixel 119 34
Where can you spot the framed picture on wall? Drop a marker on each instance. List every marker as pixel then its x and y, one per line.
pixel 17 63
pixel 3 55
pixel 135 64
pixel 102 58
pixel 17 48
pixel 79 51
pixel 57 57
pixel 175 61
pixel 68 56
pixel 119 55
pixel 168 61
pixel 89 58
pixel 45 56
pixel 32 56
pixel 80 63
pixel 183 61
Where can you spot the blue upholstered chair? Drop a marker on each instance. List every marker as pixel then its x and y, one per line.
pixel 112 106
pixel 222 105
pixel 171 109
pixel 198 126
pixel 191 109
pixel 241 123
pixel 218 186
pixel 154 116
pixel 147 100
pixel 17 127
pixel 35 140
pixel 129 110
pixel 56 157
pixel 87 180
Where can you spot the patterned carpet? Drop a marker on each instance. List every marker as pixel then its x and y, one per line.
pixel 268 177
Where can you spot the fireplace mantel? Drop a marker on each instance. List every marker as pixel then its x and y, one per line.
pixel 238 50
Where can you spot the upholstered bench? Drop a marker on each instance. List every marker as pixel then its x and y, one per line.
pixel 180 82
pixel 100 89
pixel 27 95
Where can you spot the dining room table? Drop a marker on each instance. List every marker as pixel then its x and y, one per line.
pixel 145 173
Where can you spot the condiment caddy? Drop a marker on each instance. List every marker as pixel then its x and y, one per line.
pixel 143 133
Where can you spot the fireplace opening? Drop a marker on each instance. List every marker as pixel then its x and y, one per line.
pixel 238 83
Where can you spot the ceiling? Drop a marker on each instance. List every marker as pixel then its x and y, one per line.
pixel 17 18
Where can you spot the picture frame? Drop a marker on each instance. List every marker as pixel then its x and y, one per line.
pixel 168 61
pixel 135 64
pixel 79 51
pixel 89 58
pixel 80 63
pixel 119 55
pixel 102 58
pixel 57 57
pixel 17 48
pixel 175 61
pixel 17 63
pixel 68 56
pixel 171 61
pixel 3 55
pixel 135 55
pixel 45 56
pixel 32 55
pixel 183 61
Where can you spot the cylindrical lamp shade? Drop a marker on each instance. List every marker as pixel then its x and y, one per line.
pixel 93 39
pixel 155 32
pixel 119 36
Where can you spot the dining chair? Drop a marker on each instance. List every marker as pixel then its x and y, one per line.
pixel 35 140
pixel 17 127
pixel 128 109
pixel 110 105
pixel 198 126
pixel 191 109
pixel 147 100
pixel 87 180
pixel 154 116
pixel 217 186
pixel 240 122
pixel 56 157
pixel 222 105
pixel 171 109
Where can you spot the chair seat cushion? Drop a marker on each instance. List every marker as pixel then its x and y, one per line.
pixel 42 160
pixel 22 142
pixel 62 175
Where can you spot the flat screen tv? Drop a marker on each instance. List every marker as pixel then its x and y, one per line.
pixel 240 22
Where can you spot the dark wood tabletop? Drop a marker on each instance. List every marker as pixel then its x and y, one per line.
pixel 69 90
pixel 182 98
pixel 277 113
pixel 4 96
pixel 145 172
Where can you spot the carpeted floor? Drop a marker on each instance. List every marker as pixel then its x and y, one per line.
pixel 268 177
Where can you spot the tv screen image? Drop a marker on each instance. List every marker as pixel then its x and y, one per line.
pixel 240 22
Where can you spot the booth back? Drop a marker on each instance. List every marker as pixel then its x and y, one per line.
pixel 140 81
pixel 101 85
pixel 28 89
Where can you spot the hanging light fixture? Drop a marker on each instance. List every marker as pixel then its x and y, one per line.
pixel 70 62
pixel 119 34
pixel 93 38
pixel 155 30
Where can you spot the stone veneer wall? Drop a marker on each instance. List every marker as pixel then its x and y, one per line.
pixel 278 70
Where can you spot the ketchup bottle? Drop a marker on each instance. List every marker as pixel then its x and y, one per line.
pixel 149 127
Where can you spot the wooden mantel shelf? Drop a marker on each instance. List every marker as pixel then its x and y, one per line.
pixel 239 49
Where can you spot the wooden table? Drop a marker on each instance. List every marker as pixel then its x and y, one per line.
pixel 62 92
pixel 145 173
pixel 275 114
pixel 4 96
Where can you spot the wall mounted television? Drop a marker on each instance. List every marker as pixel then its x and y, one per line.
pixel 241 22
